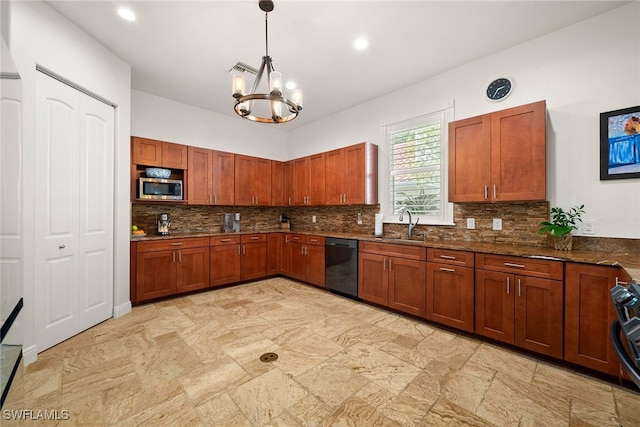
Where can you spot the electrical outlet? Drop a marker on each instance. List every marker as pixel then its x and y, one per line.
pixel 359 218
pixel 497 224
pixel 237 216
pixel 588 227
pixel 471 223
pixel 313 218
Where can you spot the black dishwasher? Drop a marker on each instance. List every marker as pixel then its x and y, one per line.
pixel 341 266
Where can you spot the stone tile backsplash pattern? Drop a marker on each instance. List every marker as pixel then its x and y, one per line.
pixel 519 222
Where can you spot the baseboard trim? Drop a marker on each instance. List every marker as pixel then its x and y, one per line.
pixel 30 354
pixel 122 309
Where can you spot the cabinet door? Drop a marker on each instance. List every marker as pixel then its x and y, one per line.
pixel 243 177
pixel 314 268
pixel 300 180
pixel 174 156
pixel 278 184
pixel 297 268
pixel 538 316
pixel 518 153
pixel 223 178
pixel 274 253
pixel 588 316
pixel 495 305
pixel 287 254
pixel 224 264
pixel 261 181
pixel 146 151
pixel 156 274
pixel 356 168
pixel 407 285
pixel 316 195
pixel 335 177
pixel 193 269
pixel 254 261
pixel 199 182
pixel 450 295
pixel 470 159
pixel 373 278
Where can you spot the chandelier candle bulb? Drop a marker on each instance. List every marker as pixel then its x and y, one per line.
pixel 238 85
pixel 275 82
pixel 296 97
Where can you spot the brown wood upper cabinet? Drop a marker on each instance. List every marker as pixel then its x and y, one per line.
pixel 150 152
pixel 307 180
pixel 211 177
pixel 351 175
pixel 252 181
pixel 500 156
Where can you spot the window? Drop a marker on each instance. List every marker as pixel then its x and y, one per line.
pixel 417 168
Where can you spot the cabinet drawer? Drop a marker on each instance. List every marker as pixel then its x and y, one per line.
pixel 448 256
pixel 400 251
pixel 170 244
pixel 521 265
pixel 297 238
pixel 315 240
pixel 224 240
pixel 253 238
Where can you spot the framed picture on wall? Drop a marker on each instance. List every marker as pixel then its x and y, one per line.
pixel 620 144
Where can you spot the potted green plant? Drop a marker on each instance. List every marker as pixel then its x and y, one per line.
pixel 561 225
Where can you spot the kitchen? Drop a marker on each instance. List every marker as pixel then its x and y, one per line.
pixel 553 75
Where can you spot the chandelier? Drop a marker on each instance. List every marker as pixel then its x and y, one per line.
pixel 266 107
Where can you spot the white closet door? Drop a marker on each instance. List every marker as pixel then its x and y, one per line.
pixel 74 211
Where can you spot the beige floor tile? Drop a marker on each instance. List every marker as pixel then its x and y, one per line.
pixel 215 410
pixel 505 361
pixel 250 348
pixel 332 382
pixel 628 406
pixel 266 397
pixel 310 411
pixel 205 382
pixel 356 412
pixel 445 413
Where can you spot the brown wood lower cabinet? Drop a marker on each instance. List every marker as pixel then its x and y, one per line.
pixel 589 314
pixel 303 258
pixel 517 308
pixel 168 267
pixel 450 290
pixel 393 276
pixel 238 257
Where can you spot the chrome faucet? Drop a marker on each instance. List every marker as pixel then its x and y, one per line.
pixel 411 225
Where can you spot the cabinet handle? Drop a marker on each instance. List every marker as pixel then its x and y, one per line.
pixel 390 264
pixel 286 238
pixel 494 192
pixel 179 256
pixel 451 270
pixel 225 240
pixel 215 198
pixel 509 264
pixel 345 198
pixel 255 238
pixel 289 200
pixel 447 257
pixel 238 249
pixel 519 288
pixel 177 244
pixel 486 192
pixel 508 286
pixel 174 257
pixel 384 264
pixel 210 201
pixel 257 200
pixel 244 249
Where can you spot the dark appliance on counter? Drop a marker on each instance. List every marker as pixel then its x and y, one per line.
pixel 341 266
pixel 626 301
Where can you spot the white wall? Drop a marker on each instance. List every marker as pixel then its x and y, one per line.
pixel 581 71
pixel 166 120
pixel 39 35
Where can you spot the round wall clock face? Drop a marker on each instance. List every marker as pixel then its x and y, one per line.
pixel 499 89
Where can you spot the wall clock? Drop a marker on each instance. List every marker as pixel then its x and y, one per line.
pixel 499 89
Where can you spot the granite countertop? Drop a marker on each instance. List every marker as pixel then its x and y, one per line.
pixel 629 261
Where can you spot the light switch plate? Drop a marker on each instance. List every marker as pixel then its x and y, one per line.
pixel 497 224
pixel 471 223
pixel 238 217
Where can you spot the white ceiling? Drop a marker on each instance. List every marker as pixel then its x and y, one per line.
pixel 183 50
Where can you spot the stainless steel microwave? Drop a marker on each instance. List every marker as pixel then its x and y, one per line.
pixel 160 189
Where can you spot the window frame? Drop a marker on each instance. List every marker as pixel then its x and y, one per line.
pixel 446 113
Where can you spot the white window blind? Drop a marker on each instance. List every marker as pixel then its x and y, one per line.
pixel 416 163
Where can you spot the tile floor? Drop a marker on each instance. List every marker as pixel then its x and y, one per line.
pixel 194 360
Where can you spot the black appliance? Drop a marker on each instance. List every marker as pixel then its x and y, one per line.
pixel 341 266
pixel 626 300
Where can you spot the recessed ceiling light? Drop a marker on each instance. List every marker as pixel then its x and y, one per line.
pixel 290 85
pixel 361 43
pixel 126 14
